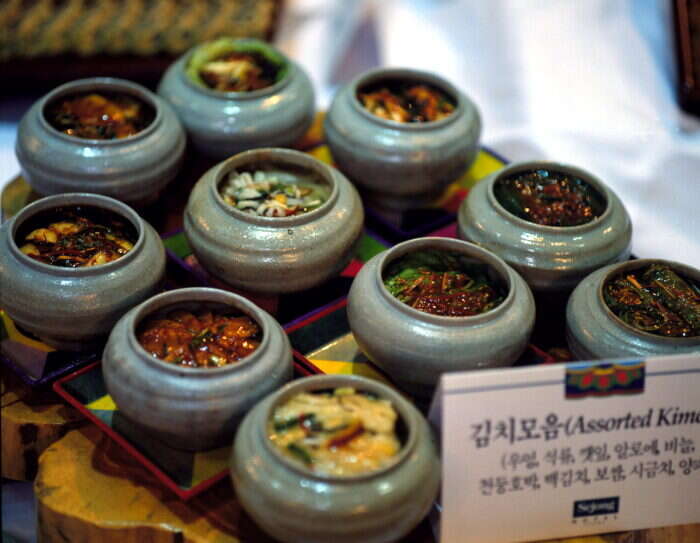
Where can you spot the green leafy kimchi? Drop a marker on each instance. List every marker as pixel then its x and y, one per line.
pixel 443 283
pixel 549 198
pixel 657 300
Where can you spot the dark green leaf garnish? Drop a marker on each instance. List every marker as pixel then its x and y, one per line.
pixel 301 453
pixel 283 425
pixel 443 283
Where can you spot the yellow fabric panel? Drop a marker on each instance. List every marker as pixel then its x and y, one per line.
pixel 336 367
pixel 210 463
pixel 16 335
pixel 105 403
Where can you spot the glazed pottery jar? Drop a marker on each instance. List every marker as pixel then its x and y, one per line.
pixel 134 169
pixel 273 254
pixel 401 164
pixel 550 258
pixel 414 347
pixel 192 408
pixel 294 504
pixel 220 123
pixel 75 308
pixel 594 331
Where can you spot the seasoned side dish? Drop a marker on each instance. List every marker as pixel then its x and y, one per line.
pixel 341 432
pixel 549 198
pixel 238 72
pixel 272 194
pixel 406 102
pixel 443 283
pixel 101 116
pixel 228 65
pixel 655 299
pixel 74 237
pixel 206 339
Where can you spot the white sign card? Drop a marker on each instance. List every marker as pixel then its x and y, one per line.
pixel 561 450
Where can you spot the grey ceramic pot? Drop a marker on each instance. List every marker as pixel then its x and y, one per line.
pixel 550 258
pixel 273 254
pixel 221 124
pixel 293 504
pixel 401 165
pixel 75 308
pixel 594 332
pixel 192 408
pixel 414 347
pixel 134 169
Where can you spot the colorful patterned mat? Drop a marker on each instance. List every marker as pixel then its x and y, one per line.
pixel 185 473
pixel 284 307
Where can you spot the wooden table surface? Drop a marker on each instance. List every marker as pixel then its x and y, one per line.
pixel 88 489
pixel 31 421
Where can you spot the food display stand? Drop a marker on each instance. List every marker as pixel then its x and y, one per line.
pixel 90 488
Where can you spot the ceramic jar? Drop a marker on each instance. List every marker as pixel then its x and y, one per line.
pixel 294 504
pixel 221 124
pixel 401 165
pixel 75 308
pixel 550 258
pixel 594 332
pixel 134 169
pixel 192 408
pixel 273 254
pixel 414 347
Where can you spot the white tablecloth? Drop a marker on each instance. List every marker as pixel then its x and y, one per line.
pixel 591 83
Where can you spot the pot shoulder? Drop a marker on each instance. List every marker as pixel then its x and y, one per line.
pixel 260 121
pixel 350 131
pixel 528 246
pixel 396 339
pixel 73 301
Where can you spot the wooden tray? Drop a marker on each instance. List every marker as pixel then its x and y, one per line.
pixel 187 474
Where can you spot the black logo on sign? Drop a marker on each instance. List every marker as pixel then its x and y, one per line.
pixel 597 506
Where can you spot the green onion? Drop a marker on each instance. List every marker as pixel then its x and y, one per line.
pixel 282 425
pixel 301 453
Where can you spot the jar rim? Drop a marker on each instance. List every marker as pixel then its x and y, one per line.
pixel 629 265
pixel 73 199
pixel 518 167
pixel 192 296
pixel 281 157
pixel 326 382
pixel 108 84
pixel 184 61
pixel 398 73
pixel 493 261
